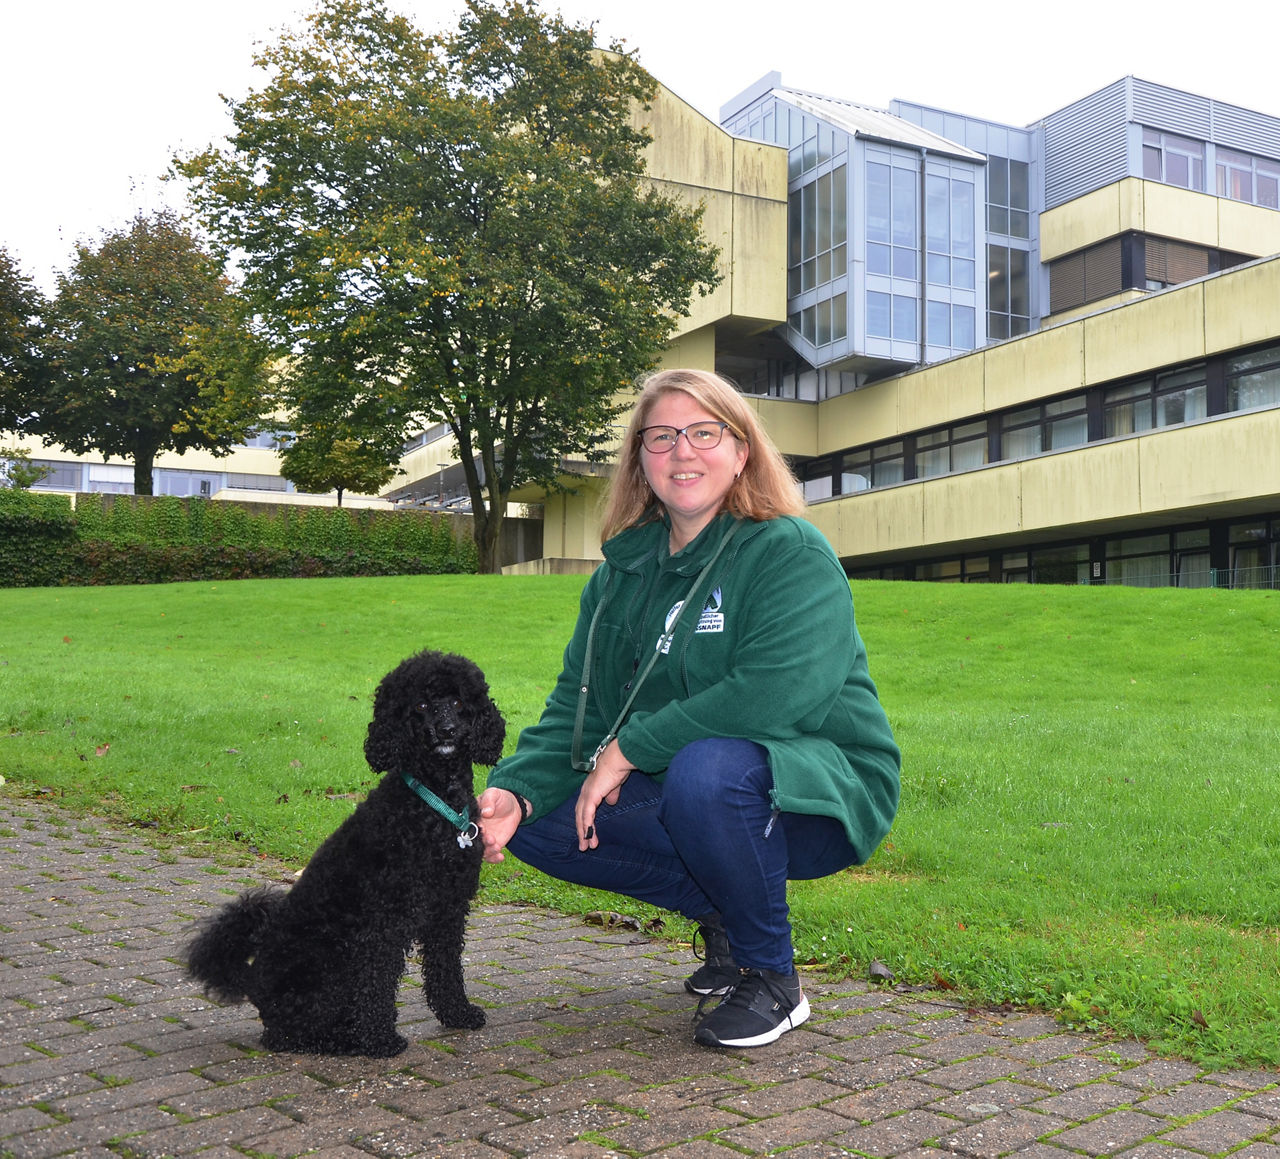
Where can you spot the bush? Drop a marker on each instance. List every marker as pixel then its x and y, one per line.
pixel 163 539
pixel 36 532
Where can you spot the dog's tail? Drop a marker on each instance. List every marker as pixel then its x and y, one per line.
pixel 220 955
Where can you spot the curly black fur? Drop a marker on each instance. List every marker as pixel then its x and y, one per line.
pixel 322 961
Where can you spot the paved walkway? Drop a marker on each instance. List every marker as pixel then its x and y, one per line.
pixel 106 1049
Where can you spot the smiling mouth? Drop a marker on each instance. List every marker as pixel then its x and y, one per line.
pixel 445 749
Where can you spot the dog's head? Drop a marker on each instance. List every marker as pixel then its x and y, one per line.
pixel 433 706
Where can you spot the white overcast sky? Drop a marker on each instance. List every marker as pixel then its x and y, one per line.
pixel 97 95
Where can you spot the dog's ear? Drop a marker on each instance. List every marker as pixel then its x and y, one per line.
pixel 384 743
pixel 488 731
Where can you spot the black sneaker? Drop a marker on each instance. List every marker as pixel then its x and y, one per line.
pixel 718 971
pixel 760 1009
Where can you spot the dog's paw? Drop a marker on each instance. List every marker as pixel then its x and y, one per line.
pixel 383 1047
pixel 468 1018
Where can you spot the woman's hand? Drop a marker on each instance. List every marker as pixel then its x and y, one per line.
pixel 601 785
pixel 500 816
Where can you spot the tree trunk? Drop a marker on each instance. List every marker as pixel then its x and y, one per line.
pixel 488 532
pixel 339 496
pixel 143 476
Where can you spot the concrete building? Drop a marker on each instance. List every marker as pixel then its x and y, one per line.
pixel 1045 353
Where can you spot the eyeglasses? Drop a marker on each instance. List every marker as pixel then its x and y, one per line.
pixel 700 436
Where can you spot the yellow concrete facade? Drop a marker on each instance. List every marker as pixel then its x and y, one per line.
pixel 1161 211
pixel 742 188
pixel 1228 463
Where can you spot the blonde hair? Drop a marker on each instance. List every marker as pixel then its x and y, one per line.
pixel 765 489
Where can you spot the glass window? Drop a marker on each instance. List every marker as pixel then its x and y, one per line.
pixel 816 481
pixel 1008 291
pixel 1267 183
pixel 1172 159
pixel 1235 175
pixel 879 202
pixel 877 466
pixel 855 472
pixel 1126 409
pixel 1061 565
pixel 938 323
pixel 1052 427
pixel 1244 177
pixel 957 448
pixel 1254 379
pixel 962 232
pixel 904 318
pixel 937 213
pixel 1008 197
pixel 839 205
pixel 904 207
pixel 879 315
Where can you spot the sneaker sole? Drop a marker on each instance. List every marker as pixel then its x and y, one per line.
pixel 708 993
pixel 795 1018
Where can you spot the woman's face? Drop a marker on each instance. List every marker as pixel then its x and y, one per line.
pixel 690 483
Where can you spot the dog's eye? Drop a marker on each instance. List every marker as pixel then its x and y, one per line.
pixel 424 707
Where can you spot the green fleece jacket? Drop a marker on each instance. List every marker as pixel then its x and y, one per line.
pixel 774 656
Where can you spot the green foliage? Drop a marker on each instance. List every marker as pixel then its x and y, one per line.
pixel 318 460
pixel 1090 820
pixel 165 539
pixel 456 230
pixel 21 330
pixel 17 470
pixel 35 531
pixel 146 349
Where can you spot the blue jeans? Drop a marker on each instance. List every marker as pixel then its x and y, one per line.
pixel 699 843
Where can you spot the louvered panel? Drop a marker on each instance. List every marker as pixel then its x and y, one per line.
pixel 1186 261
pixel 1066 283
pixel 1174 111
pixel 1246 130
pixel 1085 145
pixel 1102 266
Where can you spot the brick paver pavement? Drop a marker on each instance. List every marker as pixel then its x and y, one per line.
pixel 107 1049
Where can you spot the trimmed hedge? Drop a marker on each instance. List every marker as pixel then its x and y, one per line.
pixel 127 539
pixel 37 536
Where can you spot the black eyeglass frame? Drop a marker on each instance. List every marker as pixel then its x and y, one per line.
pixel 684 430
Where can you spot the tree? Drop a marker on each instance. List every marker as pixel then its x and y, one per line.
pixel 319 460
pixel 456 229
pixel 17 471
pixel 21 333
pixel 148 350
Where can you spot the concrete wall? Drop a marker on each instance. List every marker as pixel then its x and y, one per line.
pixel 742 186
pixel 1221 466
pixel 1162 211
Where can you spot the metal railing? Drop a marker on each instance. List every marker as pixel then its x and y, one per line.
pixel 1266 577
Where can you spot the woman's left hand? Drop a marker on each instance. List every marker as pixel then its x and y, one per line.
pixel 601 786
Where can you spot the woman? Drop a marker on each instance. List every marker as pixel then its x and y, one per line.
pixel 741 742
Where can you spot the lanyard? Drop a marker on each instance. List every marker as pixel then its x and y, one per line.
pixel 664 642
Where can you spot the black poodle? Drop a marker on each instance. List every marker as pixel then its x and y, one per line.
pixel 322 961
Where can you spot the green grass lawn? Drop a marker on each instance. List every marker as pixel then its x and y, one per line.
pixel 1089 822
